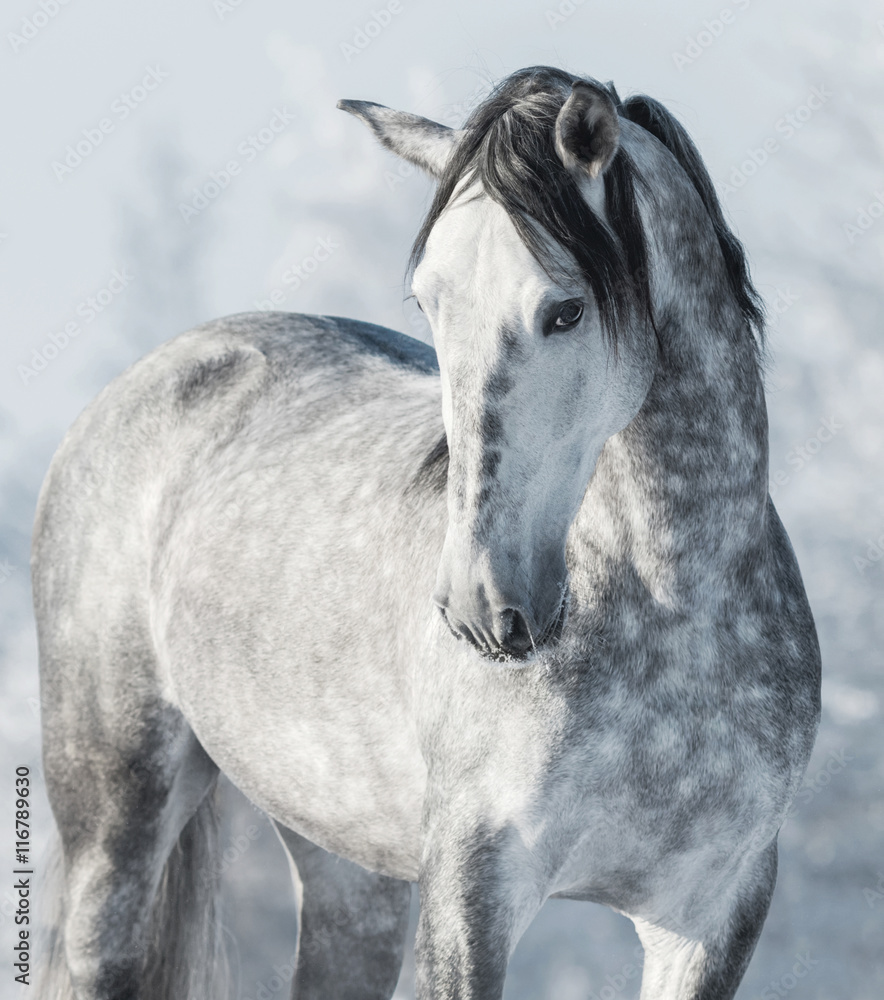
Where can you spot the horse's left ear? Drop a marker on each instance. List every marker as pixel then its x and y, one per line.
pixel 424 143
pixel 587 129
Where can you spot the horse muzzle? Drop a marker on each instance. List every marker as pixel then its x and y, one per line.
pixel 508 634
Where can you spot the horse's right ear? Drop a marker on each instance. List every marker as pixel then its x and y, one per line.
pixel 424 143
pixel 587 129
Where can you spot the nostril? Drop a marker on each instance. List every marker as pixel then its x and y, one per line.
pixel 516 636
pixel 460 630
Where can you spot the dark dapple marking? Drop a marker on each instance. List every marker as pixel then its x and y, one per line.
pixel 209 376
pixel 499 382
pixel 512 350
pixel 433 472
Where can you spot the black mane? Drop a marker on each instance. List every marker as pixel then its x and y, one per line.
pixel 654 118
pixel 508 147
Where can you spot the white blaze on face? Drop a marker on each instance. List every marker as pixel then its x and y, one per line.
pixel 527 408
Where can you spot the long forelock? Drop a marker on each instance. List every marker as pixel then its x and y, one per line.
pixel 507 147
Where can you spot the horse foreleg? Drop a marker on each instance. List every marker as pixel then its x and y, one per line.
pixel 480 889
pixel 120 811
pixel 351 925
pixel 708 962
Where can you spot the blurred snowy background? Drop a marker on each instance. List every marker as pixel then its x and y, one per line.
pixel 142 172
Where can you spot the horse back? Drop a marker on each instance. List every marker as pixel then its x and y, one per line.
pixel 230 391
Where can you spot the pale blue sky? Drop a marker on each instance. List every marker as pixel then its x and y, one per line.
pixel 227 68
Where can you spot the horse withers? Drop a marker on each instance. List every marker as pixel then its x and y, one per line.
pixel 512 619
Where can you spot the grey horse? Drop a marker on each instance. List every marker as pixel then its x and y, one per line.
pixel 513 619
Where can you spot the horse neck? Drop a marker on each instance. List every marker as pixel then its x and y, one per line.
pixel 678 499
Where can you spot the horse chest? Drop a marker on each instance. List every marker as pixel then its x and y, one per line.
pixel 631 775
pixel 665 778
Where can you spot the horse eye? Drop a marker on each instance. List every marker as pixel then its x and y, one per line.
pixel 569 314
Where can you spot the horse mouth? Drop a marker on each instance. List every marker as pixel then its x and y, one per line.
pixel 519 643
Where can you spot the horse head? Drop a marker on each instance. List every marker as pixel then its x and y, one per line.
pixel 533 272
